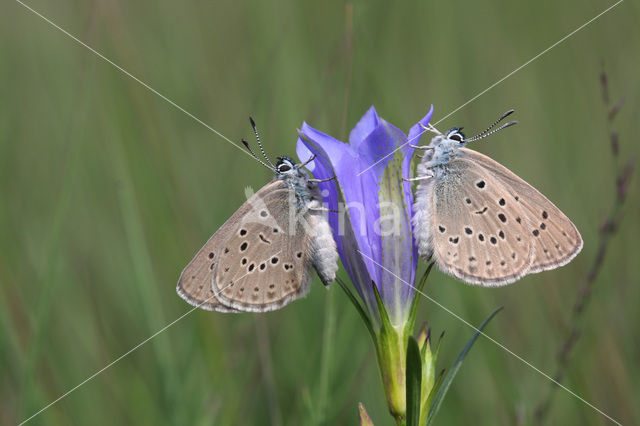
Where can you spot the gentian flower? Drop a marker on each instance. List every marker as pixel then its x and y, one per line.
pixel 370 211
pixel 370 208
pixel 374 238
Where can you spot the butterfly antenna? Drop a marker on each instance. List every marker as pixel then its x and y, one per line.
pixel 246 144
pixel 255 130
pixel 484 133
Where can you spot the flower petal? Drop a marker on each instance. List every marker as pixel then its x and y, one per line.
pixel 334 158
pixel 375 239
pixel 416 131
pixel 398 254
pixel 366 125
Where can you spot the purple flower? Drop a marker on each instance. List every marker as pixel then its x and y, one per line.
pixel 371 207
pixel 370 212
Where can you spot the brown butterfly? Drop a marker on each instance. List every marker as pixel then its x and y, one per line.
pixel 479 221
pixel 263 256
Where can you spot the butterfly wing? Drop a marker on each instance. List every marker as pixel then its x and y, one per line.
pixel 556 239
pixel 474 232
pixel 262 257
pixel 266 262
pixel 194 285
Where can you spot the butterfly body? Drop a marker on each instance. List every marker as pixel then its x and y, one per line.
pixel 262 258
pixel 305 192
pixel 443 149
pixel 480 222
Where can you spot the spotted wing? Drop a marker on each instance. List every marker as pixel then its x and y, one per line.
pixel 194 284
pixel 556 240
pixel 478 232
pixel 267 259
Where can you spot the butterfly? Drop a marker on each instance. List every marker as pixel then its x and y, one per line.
pixel 262 257
pixel 479 221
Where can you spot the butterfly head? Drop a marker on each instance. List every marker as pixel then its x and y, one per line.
pixel 444 144
pixel 455 134
pixel 449 140
pixel 286 166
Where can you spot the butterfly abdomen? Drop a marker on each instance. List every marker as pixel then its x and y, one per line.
pixel 422 218
pixel 324 255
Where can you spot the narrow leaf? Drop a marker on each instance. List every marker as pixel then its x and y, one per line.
pixel 413 382
pixel 416 298
pixel 384 316
pixel 446 382
pixel 434 389
pixel 356 303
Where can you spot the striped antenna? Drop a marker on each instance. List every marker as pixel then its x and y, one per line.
pixel 255 130
pixel 486 132
pixel 484 135
pixel 246 144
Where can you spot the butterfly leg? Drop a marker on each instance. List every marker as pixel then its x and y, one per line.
pixel 419 178
pixel 313 157
pixel 431 129
pixel 322 180
pixel 323 209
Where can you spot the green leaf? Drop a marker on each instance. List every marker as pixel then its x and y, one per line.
pixel 437 350
pixel 384 316
pixel 416 298
pixel 359 308
pixel 434 389
pixel 446 382
pixel 429 383
pixel 413 382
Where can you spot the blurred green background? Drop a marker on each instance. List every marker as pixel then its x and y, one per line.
pixel 107 191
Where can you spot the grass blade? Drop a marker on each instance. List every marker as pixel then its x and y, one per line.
pixel 446 382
